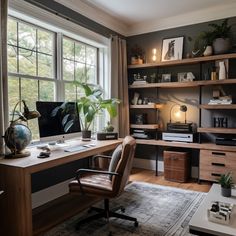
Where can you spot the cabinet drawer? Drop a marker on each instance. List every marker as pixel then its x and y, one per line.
pixel 211 175
pixel 213 163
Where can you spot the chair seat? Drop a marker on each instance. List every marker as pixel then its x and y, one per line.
pixel 97 184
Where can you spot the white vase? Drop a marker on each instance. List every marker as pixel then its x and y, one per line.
pixel 222 70
pixel 208 51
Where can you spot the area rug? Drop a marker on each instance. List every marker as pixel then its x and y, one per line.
pixel 160 211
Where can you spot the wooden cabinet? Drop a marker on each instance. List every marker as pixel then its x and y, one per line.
pixel 176 166
pixel 213 163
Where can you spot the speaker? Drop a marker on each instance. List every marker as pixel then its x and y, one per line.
pixel 107 136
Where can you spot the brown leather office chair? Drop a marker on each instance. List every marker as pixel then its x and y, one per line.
pixel 107 184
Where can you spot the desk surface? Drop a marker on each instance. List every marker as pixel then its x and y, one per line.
pixel 199 221
pixel 58 156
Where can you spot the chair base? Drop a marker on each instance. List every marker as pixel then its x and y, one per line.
pixel 106 213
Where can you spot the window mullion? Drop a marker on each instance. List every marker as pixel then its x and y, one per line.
pixel 60 94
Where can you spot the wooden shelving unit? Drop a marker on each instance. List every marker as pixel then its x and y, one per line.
pixel 218 106
pixel 148 106
pixel 184 61
pixel 144 126
pixel 217 130
pixel 183 84
pixel 200 66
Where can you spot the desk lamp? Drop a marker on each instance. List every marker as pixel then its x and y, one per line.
pixel 182 108
pixel 18 135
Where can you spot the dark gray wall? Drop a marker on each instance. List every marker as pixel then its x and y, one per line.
pixel 152 40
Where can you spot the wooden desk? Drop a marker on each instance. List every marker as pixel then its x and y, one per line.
pixel 199 223
pixel 17 217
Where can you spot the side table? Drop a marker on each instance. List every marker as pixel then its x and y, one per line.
pixel 200 225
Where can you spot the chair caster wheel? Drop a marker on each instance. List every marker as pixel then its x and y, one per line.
pixel 136 223
pixel 122 209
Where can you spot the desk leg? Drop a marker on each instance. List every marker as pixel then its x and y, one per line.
pixel 156 160
pixel 16 203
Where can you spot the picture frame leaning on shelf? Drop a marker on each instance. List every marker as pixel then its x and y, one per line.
pixel 172 49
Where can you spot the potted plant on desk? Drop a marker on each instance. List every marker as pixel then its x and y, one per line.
pixel 89 104
pixel 226 183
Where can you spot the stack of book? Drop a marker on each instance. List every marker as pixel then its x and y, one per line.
pixel 221 100
pixel 139 82
pixel 139 133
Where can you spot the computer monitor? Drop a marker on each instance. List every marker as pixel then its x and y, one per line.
pixel 51 126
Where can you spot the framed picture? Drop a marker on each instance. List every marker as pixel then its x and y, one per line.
pixel 172 49
pixel 165 78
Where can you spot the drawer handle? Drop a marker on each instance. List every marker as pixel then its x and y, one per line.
pixel 217 164
pixel 174 158
pixel 218 153
pixel 214 174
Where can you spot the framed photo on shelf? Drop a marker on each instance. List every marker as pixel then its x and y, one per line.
pixel 165 78
pixel 172 49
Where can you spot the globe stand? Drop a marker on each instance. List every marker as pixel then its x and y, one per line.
pixel 20 154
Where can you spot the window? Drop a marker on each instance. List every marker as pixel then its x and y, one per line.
pixel 79 64
pixel 32 66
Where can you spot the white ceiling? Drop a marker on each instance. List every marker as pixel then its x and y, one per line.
pixel 130 17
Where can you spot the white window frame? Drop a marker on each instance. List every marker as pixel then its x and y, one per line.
pixel 40 17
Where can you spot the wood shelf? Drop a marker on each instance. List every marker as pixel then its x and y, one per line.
pixel 217 130
pixel 184 84
pixel 144 126
pixel 205 146
pixel 218 106
pixel 184 61
pixel 148 106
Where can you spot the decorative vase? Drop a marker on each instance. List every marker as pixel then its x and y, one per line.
pixel 221 45
pixel 225 192
pixel 222 70
pixel 86 135
pixel 208 51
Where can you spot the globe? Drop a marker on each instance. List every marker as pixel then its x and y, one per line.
pixel 17 137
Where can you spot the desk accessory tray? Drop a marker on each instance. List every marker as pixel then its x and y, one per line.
pixel 220 212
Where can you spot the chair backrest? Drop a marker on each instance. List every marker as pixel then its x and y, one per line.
pixel 124 165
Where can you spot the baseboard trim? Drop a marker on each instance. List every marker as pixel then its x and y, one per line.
pixel 151 165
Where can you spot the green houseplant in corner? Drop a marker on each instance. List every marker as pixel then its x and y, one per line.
pixel 90 102
pixel 226 182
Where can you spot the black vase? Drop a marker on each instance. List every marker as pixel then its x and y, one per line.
pixel 226 192
pixel 86 135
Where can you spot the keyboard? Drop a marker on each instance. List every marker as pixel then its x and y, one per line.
pixel 75 148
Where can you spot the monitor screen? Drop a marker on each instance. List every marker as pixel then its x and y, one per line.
pixel 51 127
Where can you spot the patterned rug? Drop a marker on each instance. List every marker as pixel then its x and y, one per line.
pixel 160 211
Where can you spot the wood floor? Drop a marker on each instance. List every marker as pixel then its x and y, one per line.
pixel 149 177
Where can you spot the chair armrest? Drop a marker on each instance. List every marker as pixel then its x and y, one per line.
pixel 102 156
pixel 80 171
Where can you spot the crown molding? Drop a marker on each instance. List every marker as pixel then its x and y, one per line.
pixel 208 14
pixel 96 15
pixel 193 17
